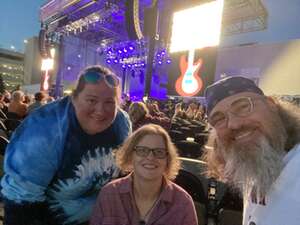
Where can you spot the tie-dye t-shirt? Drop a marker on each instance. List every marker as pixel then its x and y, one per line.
pixel 51 159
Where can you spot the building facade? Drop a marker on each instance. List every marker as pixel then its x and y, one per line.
pixel 12 68
pixel 32 62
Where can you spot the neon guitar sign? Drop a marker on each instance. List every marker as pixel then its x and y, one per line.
pixel 189 83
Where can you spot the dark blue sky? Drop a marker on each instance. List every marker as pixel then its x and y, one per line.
pixel 19 20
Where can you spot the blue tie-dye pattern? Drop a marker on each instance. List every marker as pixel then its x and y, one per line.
pixel 92 173
pixel 35 154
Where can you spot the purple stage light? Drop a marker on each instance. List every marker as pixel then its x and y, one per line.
pixel 163 52
pixel 116 61
pixel 159 62
pixel 98 49
pixel 108 61
pixel 168 61
pixel 131 48
pixel 120 51
pixel 124 66
pixel 124 50
pixel 129 65
pixel 158 55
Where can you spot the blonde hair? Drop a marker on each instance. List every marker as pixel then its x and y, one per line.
pixel 137 108
pixel 125 153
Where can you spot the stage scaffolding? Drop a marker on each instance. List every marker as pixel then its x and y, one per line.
pixel 93 25
pixel 94 20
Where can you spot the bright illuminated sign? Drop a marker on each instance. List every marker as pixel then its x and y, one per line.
pixel 197 27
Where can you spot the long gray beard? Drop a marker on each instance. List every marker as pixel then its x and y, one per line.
pixel 254 166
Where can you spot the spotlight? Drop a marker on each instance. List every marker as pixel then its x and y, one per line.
pixel 168 61
pixel 131 48
pixel 116 61
pixel 108 61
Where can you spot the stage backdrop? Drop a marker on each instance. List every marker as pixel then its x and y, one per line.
pixel 204 67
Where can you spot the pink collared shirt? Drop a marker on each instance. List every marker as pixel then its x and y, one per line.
pixel 115 206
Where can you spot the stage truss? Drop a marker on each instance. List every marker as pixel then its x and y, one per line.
pixel 102 22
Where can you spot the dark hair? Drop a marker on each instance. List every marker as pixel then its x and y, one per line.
pixel 39 96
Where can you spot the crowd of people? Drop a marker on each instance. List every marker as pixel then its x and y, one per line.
pixel 17 104
pixel 90 158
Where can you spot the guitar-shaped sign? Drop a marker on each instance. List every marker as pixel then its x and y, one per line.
pixel 189 83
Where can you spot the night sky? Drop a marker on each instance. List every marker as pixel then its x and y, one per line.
pixel 19 20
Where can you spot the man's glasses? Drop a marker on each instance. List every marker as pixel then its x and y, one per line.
pixel 94 77
pixel 144 151
pixel 241 107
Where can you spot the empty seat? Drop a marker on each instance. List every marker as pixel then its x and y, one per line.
pixel 189 149
pixel 188 132
pixel 192 185
pixel 176 135
pixel 2 114
pixel 11 124
pixel 3 143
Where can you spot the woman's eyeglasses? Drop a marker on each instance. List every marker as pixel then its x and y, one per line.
pixel 94 77
pixel 143 151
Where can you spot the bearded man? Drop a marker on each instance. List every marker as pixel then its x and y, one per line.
pixel 254 147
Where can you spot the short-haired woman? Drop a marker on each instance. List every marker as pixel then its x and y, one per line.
pixel 147 195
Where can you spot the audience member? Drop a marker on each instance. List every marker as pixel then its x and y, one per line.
pixel 40 99
pixel 126 102
pixel 139 116
pixel 254 146
pixel 191 110
pixel 147 195
pixel 3 104
pixel 7 96
pixel 28 98
pixel 61 154
pixel 17 109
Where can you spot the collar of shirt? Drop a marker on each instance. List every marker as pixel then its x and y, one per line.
pixel 166 194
